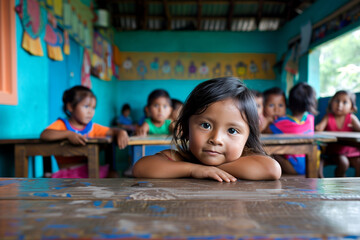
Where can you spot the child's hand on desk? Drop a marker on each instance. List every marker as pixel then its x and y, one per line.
pixel 76 138
pixel 142 130
pixel 122 139
pixel 201 171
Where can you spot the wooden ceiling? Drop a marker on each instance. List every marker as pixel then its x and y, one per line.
pixel 202 15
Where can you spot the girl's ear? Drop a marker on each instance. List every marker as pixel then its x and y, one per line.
pixel 147 111
pixel 69 107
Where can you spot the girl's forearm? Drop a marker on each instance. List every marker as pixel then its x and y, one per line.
pixel 254 167
pixel 51 135
pixel 157 166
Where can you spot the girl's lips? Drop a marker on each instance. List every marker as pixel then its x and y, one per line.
pixel 211 152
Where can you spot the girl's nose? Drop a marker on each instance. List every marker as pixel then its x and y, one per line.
pixel 215 138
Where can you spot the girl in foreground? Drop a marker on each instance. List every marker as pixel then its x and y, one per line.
pixel 217 136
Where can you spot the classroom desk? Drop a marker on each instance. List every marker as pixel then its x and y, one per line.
pixel 345 138
pixel 24 148
pixel 130 208
pixel 273 144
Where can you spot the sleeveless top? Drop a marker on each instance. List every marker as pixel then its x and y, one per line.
pixel 336 148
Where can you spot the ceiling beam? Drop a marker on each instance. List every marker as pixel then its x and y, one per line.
pixel 199 13
pixel 259 13
pixel 167 15
pixel 230 15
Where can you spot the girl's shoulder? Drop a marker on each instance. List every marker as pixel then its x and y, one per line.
pixel 172 155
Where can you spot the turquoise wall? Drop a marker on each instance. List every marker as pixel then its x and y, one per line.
pixel 136 92
pixel 32 113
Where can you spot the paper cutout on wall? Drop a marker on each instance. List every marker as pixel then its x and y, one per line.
pixel 116 63
pixel 75 17
pixel 85 69
pixel 33 19
pixel 101 62
pixel 53 39
pixel 176 65
pixel 66 43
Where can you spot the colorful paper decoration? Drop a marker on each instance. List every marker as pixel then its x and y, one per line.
pixel 53 38
pixel 66 43
pixel 101 63
pixel 33 19
pixel 85 69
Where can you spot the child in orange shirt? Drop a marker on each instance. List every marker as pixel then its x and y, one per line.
pixel 79 107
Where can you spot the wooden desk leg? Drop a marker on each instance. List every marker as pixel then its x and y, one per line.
pixel 311 162
pixel 93 160
pixel 21 161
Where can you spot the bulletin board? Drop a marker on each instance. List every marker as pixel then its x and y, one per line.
pixel 193 66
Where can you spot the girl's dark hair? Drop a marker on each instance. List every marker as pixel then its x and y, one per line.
pixel 176 103
pixel 125 107
pixel 156 94
pixel 273 91
pixel 212 91
pixel 257 94
pixel 75 95
pixel 302 98
pixel 351 95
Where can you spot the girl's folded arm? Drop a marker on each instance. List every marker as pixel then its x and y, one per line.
pixel 51 134
pixel 162 166
pixel 253 167
pixel 158 166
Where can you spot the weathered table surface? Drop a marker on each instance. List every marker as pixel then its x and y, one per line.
pixel 132 208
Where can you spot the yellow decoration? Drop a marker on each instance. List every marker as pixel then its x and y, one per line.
pixel 55 53
pixel 32 45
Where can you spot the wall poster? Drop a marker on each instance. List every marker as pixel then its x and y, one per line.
pixel 192 66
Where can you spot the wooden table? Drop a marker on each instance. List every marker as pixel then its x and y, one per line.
pixel 273 144
pixel 345 138
pixel 132 208
pixel 24 148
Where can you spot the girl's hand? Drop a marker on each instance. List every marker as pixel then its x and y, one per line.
pixel 76 138
pixel 200 171
pixel 142 130
pixel 122 139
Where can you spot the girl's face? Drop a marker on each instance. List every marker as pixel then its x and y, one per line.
pixel 83 112
pixel 160 110
pixel 341 105
pixel 259 104
pixel 218 135
pixel 275 106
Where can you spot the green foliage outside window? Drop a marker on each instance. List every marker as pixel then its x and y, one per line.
pixel 340 64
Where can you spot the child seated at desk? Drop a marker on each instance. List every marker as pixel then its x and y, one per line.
pixel 259 99
pixel 79 106
pixel 159 110
pixel 274 106
pixel 217 136
pixel 341 117
pixel 302 103
pixel 125 121
pixel 177 105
